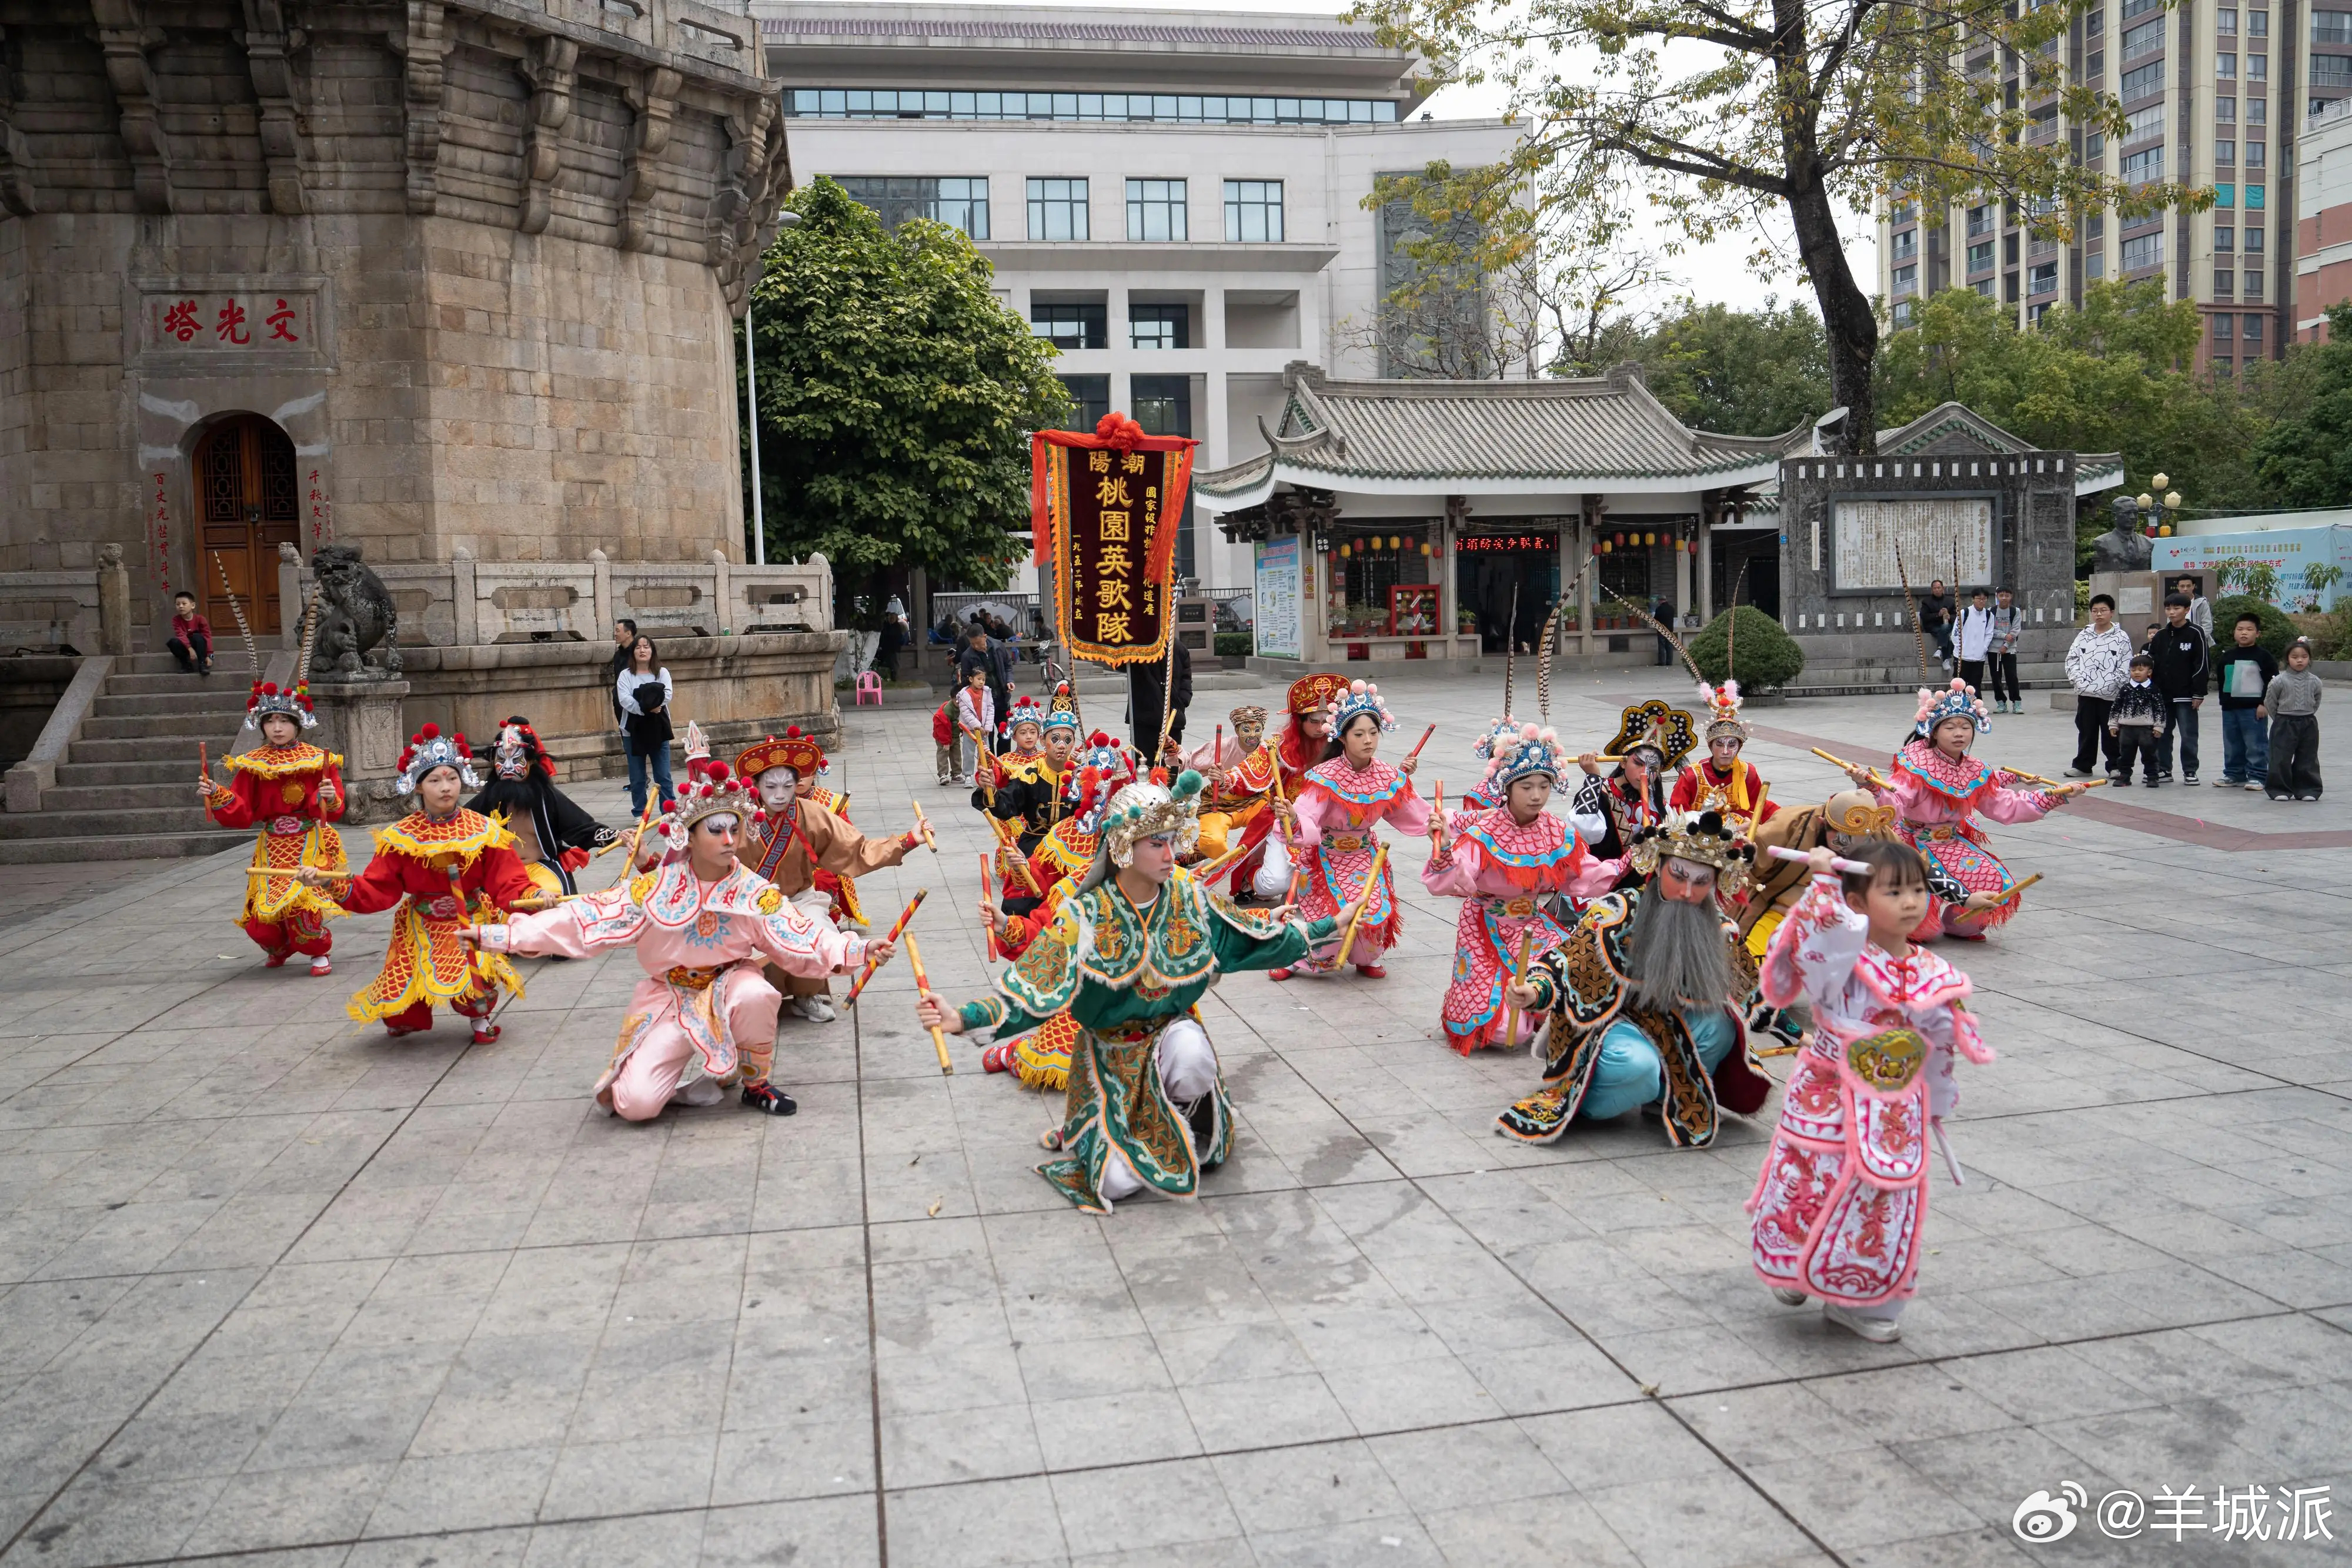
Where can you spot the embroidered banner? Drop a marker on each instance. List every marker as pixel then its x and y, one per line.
pixel 1104 510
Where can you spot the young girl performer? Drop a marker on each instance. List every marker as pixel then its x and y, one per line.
pixel 1937 793
pixel 1722 781
pixel 1265 869
pixel 1503 864
pixel 1130 956
pixel 1843 1192
pixel 291 791
pixel 443 866
pixel 702 1018
pixel 1346 794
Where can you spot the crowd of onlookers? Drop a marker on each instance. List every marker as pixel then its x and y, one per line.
pixel 2138 702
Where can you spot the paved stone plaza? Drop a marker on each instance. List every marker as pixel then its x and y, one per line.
pixel 274 1288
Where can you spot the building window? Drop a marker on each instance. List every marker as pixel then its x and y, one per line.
pixel 2142 252
pixel 1070 323
pixel 1163 406
pixel 1907 279
pixel 2143 39
pixel 2253 201
pixel 2333 72
pixel 2141 168
pixel 2222 365
pixel 2147 80
pixel 1159 327
pixel 2225 66
pixel 2257 67
pixel 2258 112
pixel 1254 212
pixel 2251 332
pixel 2097 267
pixel 2225 111
pixel 2258 24
pixel 2143 123
pixel 959 203
pixel 2255 155
pixel 2225 238
pixel 1089 400
pixel 1983 220
pixel 914 103
pixel 2254 285
pixel 2225 283
pixel 2331 27
pixel 1906 244
pixel 1902 314
pixel 2225 21
pixel 1980 256
pixel 2253 238
pixel 2225 150
pixel 1155 210
pixel 2043 279
pixel 1057 209
pixel 1984 289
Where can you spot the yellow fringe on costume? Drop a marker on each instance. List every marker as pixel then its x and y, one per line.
pixel 428 963
pixel 1042 1057
pixel 277 899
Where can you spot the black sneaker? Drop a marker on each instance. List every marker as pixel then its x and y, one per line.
pixel 2190 780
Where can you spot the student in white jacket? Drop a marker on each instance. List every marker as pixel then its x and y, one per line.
pixel 1973 639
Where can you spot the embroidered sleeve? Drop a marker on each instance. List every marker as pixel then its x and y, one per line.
pixel 798 946
pixel 2006 805
pixel 1045 980
pixel 1253 940
pixel 1814 949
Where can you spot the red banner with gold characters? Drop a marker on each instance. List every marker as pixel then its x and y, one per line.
pixel 1106 509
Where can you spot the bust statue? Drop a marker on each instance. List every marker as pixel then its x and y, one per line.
pixel 2123 547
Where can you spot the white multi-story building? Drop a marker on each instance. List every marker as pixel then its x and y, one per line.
pixel 1176 198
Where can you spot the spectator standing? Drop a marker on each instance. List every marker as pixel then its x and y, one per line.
pixel 1003 655
pixel 624 638
pixel 886 650
pixel 2200 609
pixel 2184 670
pixel 2293 702
pixel 976 718
pixel 192 637
pixel 2001 659
pixel 976 655
pixel 1975 638
pixel 2137 720
pixel 2098 662
pixel 644 691
pixel 2242 674
pixel 1664 611
pixel 1936 620
pixel 1144 700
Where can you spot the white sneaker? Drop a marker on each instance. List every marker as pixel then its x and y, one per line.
pixel 2255 785
pixel 703 1091
pixel 1788 1298
pixel 1877 1331
pixel 816 1010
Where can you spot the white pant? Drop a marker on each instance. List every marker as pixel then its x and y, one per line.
pixel 1273 878
pixel 1188 1069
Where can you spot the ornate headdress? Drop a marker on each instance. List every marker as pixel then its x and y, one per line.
pixel 1857 815
pixel 1958 700
pixel 1723 709
pixel 1502 731
pixel 1062 712
pixel 1025 709
pixel 1144 811
pixel 1246 715
pixel 1313 694
pixel 710 790
pixel 795 749
pixel 1096 771
pixel 515 735
pixel 294 702
pixel 1668 731
pixel 1703 840
pixel 429 748
pixel 1353 702
pixel 1527 750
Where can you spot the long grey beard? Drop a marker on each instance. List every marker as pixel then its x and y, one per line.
pixel 1678 956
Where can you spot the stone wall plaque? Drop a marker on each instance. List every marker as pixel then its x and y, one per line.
pixel 1931 537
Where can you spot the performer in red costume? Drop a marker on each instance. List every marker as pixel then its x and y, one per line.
pixel 1264 870
pixel 1721 782
pixel 291 791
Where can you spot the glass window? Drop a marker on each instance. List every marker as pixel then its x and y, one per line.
pixel 1155 210
pixel 1254 212
pixel 2253 237
pixel 1983 220
pixel 2143 39
pixel 2225 21
pixel 2255 153
pixel 2142 167
pixel 2225 239
pixel 2250 332
pixel 2043 280
pixel 1057 209
pixel 1163 406
pixel 1902 317
pixel 2253 284
pixel 2331 27
pixel 1070 323
pixel 2225 111
pixel 2225 66
pixel 1906 244
pixel 2224 328
pixel 2225 282
pixel 1160 326
pixel 2148 78
pixel 1089 399
pixel 2225 150
pixel 960 202
pixel 1981 257
pixel 2258 24
pixel 2097 267
pixel 2094 24
pixel 1907 279
pixel 2141 124
pixel 2257 67
pixel 2143 251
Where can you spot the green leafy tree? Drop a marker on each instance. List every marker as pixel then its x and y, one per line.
pixel 897 398
pixel 1742 372
pixel 1768 657
pixel 1734 109
pixel 2305 459
pixel 2277 630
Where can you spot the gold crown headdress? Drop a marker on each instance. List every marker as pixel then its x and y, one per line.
pixel 1146 810
pixel 1704 839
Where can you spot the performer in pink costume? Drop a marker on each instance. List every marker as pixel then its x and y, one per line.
pixel 1503 862
pixel 1939 790
pixel 1344 796
pixel 703 1019
pixel 1842 1196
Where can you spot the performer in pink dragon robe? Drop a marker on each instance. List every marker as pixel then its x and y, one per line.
pixel 1840 1201
pixel 1504 863
pixel 1341 801
pixel 703 1019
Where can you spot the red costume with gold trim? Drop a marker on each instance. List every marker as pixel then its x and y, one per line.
pixel 1296 754
pixel 278 789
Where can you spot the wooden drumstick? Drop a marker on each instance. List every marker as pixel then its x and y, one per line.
pixel 1372 884
pixel 923 987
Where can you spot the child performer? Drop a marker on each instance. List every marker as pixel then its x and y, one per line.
pixel 1720 782
pixel 1345 795
pixel 291 791
pixel 554 837
pixel 1503 864
pixel 1939 790
pixel 808 850
pixel 1240 773
pixel 1028 791
pixel 1265 869
pixel 702 1018
pixel 1130 957
pixel 1504 734
pixel 443 866
pixel 1843 1192
pixel 1609 812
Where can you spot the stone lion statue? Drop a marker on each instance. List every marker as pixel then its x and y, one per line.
pixel 357 619
pixel 2123 547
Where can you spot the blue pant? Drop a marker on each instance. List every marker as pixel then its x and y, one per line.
pixel 659 760
pixel 2246 746
pixel 1630 1074
pixel 2184 724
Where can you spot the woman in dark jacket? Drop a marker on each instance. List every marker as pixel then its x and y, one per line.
pixel 644 689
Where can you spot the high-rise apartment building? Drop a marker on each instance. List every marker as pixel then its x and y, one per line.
pixel 2215 96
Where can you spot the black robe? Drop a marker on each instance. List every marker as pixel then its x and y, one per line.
pixel 554 816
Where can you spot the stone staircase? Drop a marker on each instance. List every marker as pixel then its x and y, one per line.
pixel 1868 678
pixel 126 789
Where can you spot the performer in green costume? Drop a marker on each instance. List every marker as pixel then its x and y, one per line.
pixel 1131 955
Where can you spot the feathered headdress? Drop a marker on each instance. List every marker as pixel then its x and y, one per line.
pixel 1704 839
pixel 1062 712
pixel 1668 731
pixel 429 748
pixel 294 702
pixel 1527 751
pixel 1958 700
pixel 1723 709
pixel 1501 730
pixel 1146 810
pixel 1360 698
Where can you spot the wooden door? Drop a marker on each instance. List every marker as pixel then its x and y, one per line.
pixel 248 502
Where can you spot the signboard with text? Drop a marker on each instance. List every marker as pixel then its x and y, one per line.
pixel 1278 598
pixel 1106 509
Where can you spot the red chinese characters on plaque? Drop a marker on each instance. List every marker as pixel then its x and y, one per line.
pixel 232 324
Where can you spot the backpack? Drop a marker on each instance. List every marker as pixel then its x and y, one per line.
pixel 943 724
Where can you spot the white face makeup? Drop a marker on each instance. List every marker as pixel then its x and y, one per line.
pixel 776 786
pixel 1686 882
